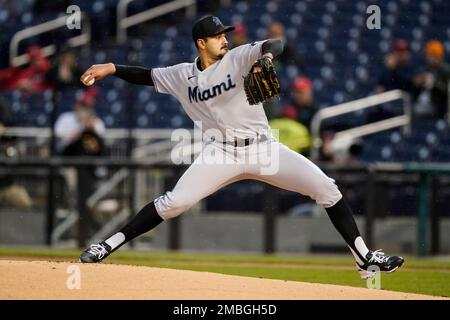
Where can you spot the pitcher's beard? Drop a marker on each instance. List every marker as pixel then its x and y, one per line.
pixel 221 55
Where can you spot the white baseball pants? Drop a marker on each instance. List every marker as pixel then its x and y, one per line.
pixel 270 161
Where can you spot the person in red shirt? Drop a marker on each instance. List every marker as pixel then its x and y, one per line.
pixel 239 35
pixel 28 79
pixel 302 107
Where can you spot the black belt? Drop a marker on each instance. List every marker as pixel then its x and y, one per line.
pixel 243 142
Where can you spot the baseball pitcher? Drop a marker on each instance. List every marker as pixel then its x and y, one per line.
pixel 223 91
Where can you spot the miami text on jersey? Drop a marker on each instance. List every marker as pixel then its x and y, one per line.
pixel 195 94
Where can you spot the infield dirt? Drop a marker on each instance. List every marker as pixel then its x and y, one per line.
pixel 52 280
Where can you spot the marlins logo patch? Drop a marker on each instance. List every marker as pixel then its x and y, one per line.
pixel 216 21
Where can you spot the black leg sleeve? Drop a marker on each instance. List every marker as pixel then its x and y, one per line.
pixel 145 220
pixel 341 216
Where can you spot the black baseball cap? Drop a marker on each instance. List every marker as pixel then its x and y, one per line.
pixel 209 26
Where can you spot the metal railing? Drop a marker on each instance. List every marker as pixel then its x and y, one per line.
pixel 347 136
pixel 17 60
pixel 35 132
pixel 124 22
pixel 360 104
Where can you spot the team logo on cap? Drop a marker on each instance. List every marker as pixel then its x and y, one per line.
pixel 216 21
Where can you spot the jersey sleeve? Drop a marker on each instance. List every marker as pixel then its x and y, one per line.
pixel 246 54
pixel 164 79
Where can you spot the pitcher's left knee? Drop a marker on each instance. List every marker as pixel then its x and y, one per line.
pixel 172 204
pixel 327 193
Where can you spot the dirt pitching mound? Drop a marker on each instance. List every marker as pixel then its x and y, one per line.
pixel 53 280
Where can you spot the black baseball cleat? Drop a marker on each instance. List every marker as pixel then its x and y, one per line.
pixel 95 253
pixel 377 261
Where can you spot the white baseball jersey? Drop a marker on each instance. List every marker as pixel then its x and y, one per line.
pixel 215 96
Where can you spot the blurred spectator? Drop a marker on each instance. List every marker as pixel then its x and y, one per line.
pixel 80 131
pixel 64 71
pixel 397 71
pixel 343 152
pixel 295 118
pixel 238 36
pixel 303 107
pixel 289 55
pixel 293 134
pixel 433 81
pixel 326 151
pixel 30 78
pixel 12 195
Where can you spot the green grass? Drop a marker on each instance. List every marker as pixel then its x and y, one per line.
pixel 424 276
